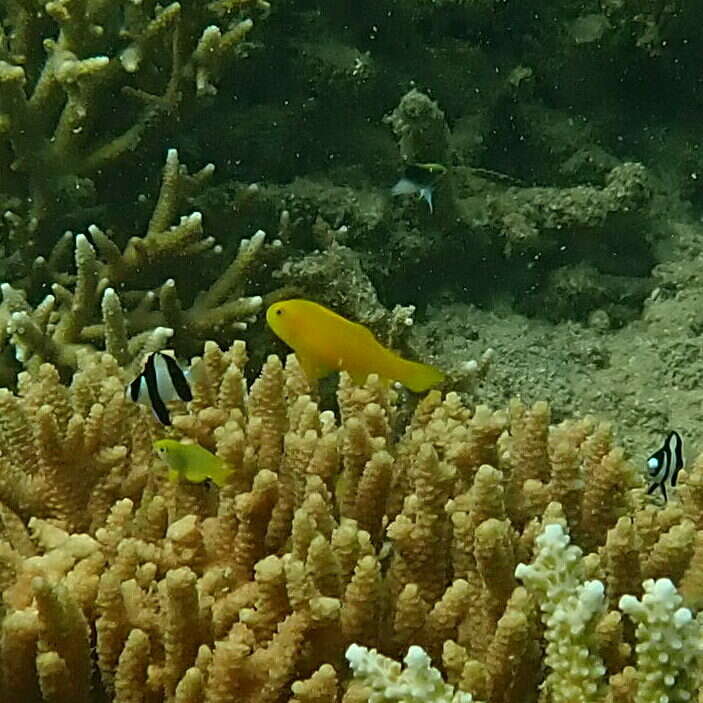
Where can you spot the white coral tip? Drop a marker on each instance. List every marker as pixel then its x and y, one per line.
pixel 682 617
pixel 355 655
pixel 628 603
pixel 416 658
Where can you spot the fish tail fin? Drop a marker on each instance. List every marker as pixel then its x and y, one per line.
pixel 420 377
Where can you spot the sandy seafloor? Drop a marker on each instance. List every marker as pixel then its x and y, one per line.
pixel 646 377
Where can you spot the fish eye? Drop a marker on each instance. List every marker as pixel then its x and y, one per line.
pixel 279 311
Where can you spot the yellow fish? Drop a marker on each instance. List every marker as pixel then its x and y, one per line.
pixel 192 462
pixel 325 342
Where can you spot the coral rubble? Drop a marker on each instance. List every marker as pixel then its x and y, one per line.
pixel 336 535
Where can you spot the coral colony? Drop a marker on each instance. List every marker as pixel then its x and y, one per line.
pixel 182 524
pixel 335 549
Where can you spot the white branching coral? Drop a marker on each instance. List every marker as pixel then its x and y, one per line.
pixel 419 682
pixel 668 638
pixel 668 643
pixel 571 608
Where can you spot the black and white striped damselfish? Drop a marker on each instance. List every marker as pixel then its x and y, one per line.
pixel 161 381
pixel 664 465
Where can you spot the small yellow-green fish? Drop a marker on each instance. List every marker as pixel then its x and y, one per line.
pixel 192 462
pixel 325 342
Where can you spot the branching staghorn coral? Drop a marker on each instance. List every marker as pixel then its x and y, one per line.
pixel 84 83
pixel 572 607
pixel 419 682
pixel 668 643
pixel 109 303
pixel 337 529
pixel 579 631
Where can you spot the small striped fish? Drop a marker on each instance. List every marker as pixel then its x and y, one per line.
pixel 664 465
pixel 161 381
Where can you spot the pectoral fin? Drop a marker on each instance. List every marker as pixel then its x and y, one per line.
pixel 196 474
pixel 314 369
pixel 173 475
